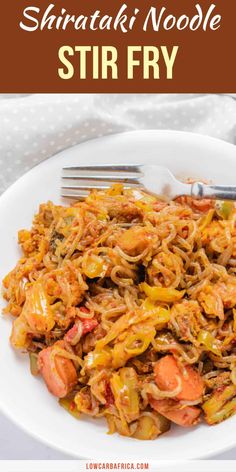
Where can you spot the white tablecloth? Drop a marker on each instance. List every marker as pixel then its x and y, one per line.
pixel 34 127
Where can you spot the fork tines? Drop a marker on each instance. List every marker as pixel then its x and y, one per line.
pixel 78 181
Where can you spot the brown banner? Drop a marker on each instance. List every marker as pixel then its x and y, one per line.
pixel 169 46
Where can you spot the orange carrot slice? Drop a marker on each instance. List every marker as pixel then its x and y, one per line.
pixel 167 371
pixel 186 416
pixel 60 376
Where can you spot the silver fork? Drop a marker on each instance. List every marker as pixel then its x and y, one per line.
pixel 78 181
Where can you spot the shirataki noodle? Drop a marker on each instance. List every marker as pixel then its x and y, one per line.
pixel 126 305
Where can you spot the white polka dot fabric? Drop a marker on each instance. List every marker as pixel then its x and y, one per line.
pixel 34 127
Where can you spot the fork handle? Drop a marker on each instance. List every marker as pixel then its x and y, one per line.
pixel 220 192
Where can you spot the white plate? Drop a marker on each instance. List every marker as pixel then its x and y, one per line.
pixel 24 398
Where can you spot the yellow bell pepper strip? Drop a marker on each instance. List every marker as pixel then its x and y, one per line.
pixel 146 202
pixel 114 190
pixel 234 313
pixel 161 294
pixel 159 314
pixel 94 266
pixel 124 387
pixel 134 344
pixel 33 363
pixel 206 219
pixel 69 405
pixel 209 342
pixel 220 405
pixel 96 359
pixel 224 208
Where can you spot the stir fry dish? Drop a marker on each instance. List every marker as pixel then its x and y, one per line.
pixel 126 306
